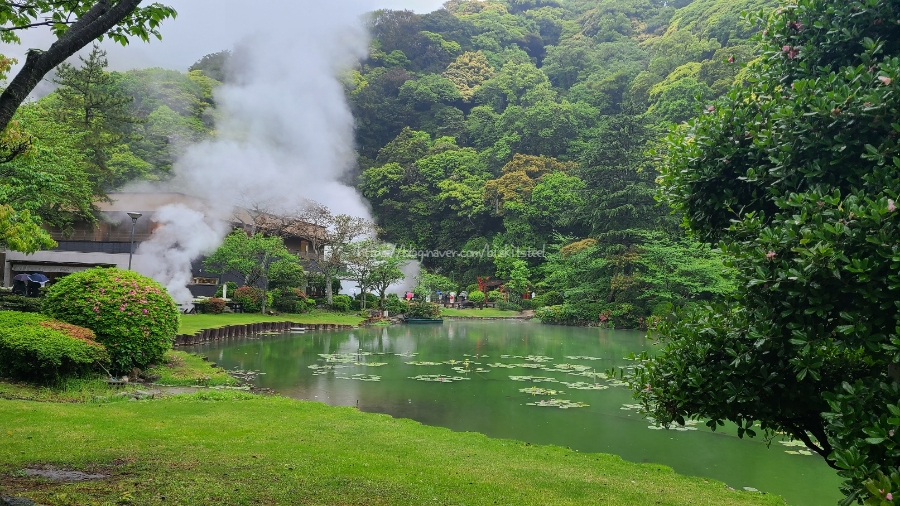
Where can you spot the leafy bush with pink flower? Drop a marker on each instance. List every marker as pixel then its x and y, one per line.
pixel 132 315
pixel 250 298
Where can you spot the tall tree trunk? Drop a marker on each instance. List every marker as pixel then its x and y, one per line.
pixel 265 276
pixel 328 296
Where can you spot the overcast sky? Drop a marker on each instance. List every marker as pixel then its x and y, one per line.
pixel 208 26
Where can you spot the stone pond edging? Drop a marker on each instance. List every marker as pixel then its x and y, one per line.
pixel 233 331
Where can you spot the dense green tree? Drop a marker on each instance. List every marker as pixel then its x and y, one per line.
pixel 88 99
pixel 386 270
pixel 49 179
pixel 796 174
pixel 213 65
pixel 250 256
pixel 469 71
pixel 430 90
pixel 19 231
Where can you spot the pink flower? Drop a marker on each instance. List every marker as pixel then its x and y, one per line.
pixel 711 108
pixel 770 255
pixel 889 497
pixel 891 433
pixel 786 48
pixel 145 311
pixel 891 206
pixel 885 80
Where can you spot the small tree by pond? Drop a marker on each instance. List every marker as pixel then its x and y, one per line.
pixel 422 309
pixel 256 258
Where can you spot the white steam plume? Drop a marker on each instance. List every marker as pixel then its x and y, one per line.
pixel 183 234
pixel 285 135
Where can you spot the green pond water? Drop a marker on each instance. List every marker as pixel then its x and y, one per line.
pixel 342 368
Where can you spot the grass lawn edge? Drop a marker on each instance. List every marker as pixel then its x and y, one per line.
pixel 240 448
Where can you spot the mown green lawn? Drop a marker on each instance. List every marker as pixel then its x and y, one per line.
pixel 191 323
pixel 488 312
pixel 226 447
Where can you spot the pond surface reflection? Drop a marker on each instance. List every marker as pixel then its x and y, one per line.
pixel 507 379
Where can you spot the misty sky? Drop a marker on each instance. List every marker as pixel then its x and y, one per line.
pixel 208 26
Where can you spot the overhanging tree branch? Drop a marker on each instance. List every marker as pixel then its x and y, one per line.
pixel 103 16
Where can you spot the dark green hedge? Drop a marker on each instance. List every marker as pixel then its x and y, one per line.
pixel 34 347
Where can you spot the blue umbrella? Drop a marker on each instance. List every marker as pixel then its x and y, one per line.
pixel 21 277
pixel 38 278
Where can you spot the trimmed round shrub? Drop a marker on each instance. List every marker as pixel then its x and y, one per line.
pixel 394 304
pixel 341 302
pixel 423 310
pixel 250 298
pixel 213 305
pixel 476 296
pixel 494 296
pixel 34 347
pixel 289 300
pixel 132 315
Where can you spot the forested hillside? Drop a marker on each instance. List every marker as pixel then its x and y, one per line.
pixel 527 124
pixel 483 126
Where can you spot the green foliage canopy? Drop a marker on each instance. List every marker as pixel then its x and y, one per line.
pixel 797 175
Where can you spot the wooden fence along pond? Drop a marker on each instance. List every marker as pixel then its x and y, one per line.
pixel 235 331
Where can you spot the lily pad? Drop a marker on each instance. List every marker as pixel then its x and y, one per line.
pixel 590 374
pixel 540 391
pixel 415 362
pixel 438 378
pixel 568 368
pixel 338 358
pixel 558 403
pixel 498 365
pixel 361 377
pixel 580 385
pixel 534 379
pixel 582 357
pixel 538 358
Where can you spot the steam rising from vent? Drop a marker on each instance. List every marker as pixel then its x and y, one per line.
pixel 183 233
pixel 285 134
